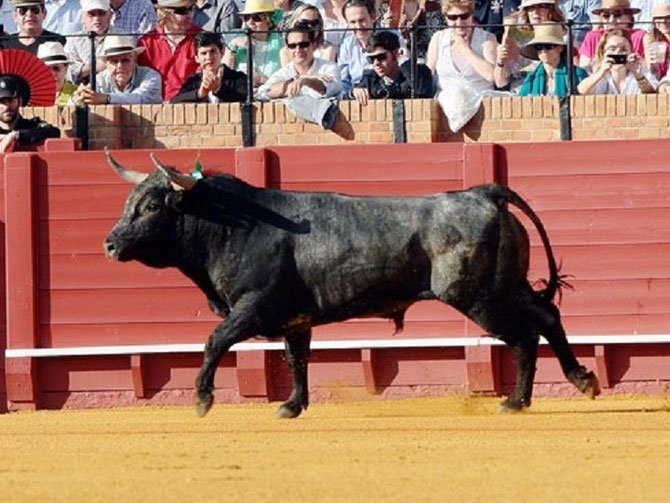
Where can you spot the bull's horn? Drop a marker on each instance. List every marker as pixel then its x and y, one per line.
pixel 130 176
pixel 181 180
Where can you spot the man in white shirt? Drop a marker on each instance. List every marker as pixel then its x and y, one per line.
pixel 309 86
pixel 123 82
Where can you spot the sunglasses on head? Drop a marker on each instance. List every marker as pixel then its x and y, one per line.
pixel 462 17
pixel 35 9
pixel 377 57
pixel 256 18
pixel 612 14
pixel 303 45
pixel 545 47
pixel 182 11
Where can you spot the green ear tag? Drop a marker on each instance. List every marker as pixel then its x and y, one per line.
pixel 197 173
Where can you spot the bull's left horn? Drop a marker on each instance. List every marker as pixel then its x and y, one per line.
pixel 130 176
pixel 181 180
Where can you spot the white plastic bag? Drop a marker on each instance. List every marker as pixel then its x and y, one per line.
pixel 459 102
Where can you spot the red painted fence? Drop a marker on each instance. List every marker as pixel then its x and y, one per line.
pixel 605 206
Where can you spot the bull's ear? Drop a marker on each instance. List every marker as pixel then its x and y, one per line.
pixel 179 180
pixel 131 176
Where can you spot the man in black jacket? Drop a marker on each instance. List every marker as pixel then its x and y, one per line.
pixel 215 82
pixel 388 78
pixel 15 131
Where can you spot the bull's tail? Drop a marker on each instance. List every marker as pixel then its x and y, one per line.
pixel 502 195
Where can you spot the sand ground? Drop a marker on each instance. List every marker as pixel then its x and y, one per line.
pixel 445 449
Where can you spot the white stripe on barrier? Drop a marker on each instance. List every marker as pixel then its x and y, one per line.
pixel 342 344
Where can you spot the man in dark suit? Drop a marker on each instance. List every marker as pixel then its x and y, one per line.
pixel 215 82
pixel 388 77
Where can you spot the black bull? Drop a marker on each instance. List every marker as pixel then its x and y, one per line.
pixel 277 263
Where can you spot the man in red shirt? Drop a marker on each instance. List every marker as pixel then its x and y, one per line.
pixel 170 48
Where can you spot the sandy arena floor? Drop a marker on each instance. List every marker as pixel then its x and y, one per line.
pixel 447 449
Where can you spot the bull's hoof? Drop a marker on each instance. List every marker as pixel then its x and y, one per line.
pixel 592 389
pixel 203 404
pixel 512 406
pixel 288 411
pixel 586 382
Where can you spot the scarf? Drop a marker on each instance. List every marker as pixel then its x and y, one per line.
pixel 536 82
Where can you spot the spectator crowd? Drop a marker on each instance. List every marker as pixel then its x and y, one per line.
pixel 312 53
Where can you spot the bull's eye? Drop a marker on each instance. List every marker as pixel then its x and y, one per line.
pixel 153 206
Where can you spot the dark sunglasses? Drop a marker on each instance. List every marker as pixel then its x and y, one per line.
pixel 35 9
pixel 612 14
pixel 256 18
pixel 303 45
pixel 462 17
pixel 377 57
pixel 312 22
pixel 182 11
pixel 545 47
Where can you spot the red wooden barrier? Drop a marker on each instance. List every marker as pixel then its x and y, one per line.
pixel 601 214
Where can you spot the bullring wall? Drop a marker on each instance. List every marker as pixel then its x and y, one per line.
pixel 531 119
pixel 605 207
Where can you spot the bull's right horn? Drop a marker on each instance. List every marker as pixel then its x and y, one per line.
pixel 135 177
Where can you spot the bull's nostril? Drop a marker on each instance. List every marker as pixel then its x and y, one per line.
pixel 110 249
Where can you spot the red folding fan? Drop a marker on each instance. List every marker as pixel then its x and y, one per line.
pixel 35 76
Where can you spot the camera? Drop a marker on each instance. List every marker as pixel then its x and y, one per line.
pixel 618 59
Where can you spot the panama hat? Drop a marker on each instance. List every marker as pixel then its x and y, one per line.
pixel 174 4
pixel 529 3
pixel 543 34
pixel 661 11
pixel 52 53
pixel 256 6
pixel 119 44
pixel 615 5
pixel 27 3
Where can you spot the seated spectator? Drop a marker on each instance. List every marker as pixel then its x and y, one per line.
pixel 53 55
pixel 15 131
pixel 284 9
pixel 580 13
pixel 511 67
pixel 123 82
pixel 619 70
pixel 96 16
pixel 218 16
pixel 133 16
pixel 215 82
pixel 351 55
pixel 266 44
pixel 63 16
pixel 388 78
pixel 308 14
pixel 309 86
pixel 657 42
pixel 29 16
pixel 550 78
pixel 490 15
pixel 170 48
pixel 614 15
pixel 462 49
pixel 333 19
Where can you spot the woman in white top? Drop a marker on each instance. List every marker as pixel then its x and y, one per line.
pixel 619 70
pixel 462 50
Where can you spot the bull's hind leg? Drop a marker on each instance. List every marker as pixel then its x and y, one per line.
pixel 547 318
pixel 297 355
pixel 525 352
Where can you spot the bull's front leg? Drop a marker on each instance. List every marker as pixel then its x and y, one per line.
pixel 241 324
pixel 297 355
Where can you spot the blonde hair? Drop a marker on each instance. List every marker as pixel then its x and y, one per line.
pixel 600 51
pixel 295 18
pixel 468 5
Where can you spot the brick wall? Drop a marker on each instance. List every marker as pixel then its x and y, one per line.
pixel 499 120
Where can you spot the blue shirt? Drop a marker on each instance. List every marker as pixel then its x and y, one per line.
pixel 579 11
pixel 63 16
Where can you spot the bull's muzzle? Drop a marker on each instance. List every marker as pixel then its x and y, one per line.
pixel 111 251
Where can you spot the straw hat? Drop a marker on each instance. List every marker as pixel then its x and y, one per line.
pixel 115 45
pixel 174 4
pixel 52 53
pixel 615 5
pixel 543 34
pixel 27 3
pixel 529 3
pixel 257 6
pixel 661 11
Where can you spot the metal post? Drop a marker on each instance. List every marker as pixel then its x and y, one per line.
pixel 92 62
pixel 412 53
pixel 247 111
pixel 564 102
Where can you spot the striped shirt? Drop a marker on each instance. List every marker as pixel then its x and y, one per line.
pixel 135 17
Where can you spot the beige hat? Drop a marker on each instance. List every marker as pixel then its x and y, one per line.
pixel 543 34
pixel 27 3
pixel 119 44
pixel 529 3
pixel 89 5
pixel 661 11
pixel 174 4
pixel 257 6
pixel 52 53
pixel 615 5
